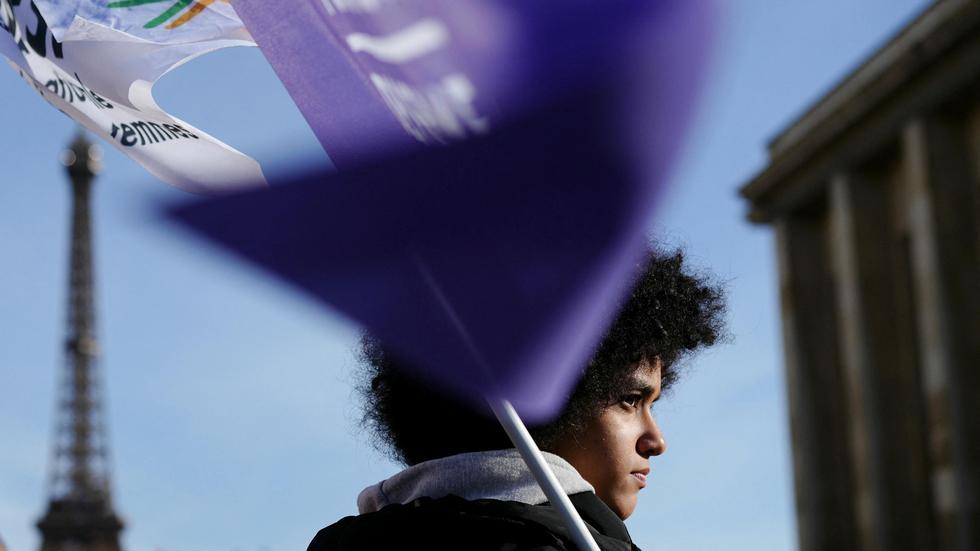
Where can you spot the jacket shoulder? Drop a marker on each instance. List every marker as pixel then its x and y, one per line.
pixel 452 522
pixel 445 523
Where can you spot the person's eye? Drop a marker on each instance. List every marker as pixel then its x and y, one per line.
pixel 631 400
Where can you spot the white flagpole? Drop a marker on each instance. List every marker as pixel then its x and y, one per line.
pixel 508 418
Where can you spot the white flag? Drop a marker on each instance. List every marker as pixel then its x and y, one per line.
pixel 101 71
pixel 161 21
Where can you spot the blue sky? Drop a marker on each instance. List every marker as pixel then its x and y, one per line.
pixel 231 415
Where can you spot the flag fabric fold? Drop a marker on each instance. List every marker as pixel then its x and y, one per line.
pixel 160 21
pixel 494 260
pixel 102 77
pixel 374 76
pixel 491 264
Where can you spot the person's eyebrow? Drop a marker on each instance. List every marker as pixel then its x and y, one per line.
pixel 638 385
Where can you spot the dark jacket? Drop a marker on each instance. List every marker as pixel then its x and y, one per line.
pixel 452 522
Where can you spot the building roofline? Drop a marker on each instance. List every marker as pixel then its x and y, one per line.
pixel 886 71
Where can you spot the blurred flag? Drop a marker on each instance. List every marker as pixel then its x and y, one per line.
pixel 493 263
pixel 160 21
pixel 373 76
pixel 97 64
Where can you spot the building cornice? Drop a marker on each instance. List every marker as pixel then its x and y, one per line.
pixel 926 62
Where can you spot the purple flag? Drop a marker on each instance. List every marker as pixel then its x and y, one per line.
pixel 494 263
pixel 372 76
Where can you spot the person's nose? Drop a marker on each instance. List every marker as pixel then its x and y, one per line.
pixel 652 441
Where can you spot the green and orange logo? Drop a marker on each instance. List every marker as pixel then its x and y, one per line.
pixel 187 10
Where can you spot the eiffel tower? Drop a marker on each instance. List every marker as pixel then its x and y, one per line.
pixel 80 516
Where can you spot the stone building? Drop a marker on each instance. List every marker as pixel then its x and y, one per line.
pixel 874 195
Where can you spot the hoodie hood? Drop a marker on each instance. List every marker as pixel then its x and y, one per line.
pixel 498 474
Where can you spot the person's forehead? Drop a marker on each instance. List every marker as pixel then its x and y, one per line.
pixel 646 374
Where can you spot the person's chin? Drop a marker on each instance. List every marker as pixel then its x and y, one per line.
pixel 625 505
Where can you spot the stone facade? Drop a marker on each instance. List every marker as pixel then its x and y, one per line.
pixel 874 195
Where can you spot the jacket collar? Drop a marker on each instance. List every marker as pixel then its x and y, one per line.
pixel 598 515
pixel 498 474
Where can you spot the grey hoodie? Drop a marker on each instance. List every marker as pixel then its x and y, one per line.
pixel 498 474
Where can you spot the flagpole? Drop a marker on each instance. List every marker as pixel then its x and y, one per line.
pixel 519 435
pixel 512 424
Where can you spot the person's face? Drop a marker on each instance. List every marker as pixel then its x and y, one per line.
pixel 613 452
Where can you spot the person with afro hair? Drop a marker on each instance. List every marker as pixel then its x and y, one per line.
pixel 466 487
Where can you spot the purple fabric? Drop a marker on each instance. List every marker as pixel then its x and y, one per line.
pixel 493 264
pixel 496 59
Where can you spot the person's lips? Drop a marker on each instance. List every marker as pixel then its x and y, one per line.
pixel 641 476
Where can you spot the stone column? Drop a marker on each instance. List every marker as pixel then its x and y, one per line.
pixel 889 456
pixel 818 412
pixel 943 198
